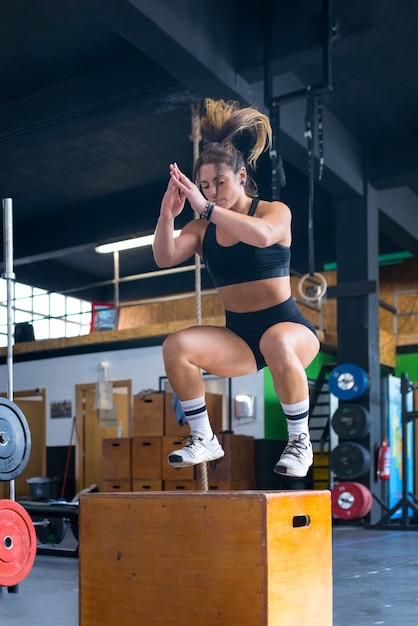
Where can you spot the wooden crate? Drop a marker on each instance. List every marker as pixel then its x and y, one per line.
pixel 173 428
pixel 180 485
pixel 147 485
pixel 148 415
pixel 146 458
pixel 238 462
pixel 244 484
pixel 117 485
pixel 266 561
pixel 116 459
pixel 172 473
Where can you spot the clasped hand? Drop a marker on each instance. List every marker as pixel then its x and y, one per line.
pixel 187 189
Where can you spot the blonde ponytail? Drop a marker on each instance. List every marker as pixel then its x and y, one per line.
pixel 224 120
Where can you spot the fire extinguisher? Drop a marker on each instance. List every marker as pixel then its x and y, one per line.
pixel 383 461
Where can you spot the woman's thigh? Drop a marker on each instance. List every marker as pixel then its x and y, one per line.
pixel 289 337
pixel 214 349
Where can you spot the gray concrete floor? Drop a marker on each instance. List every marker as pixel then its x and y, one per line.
pixel 374 572
pixel 375 577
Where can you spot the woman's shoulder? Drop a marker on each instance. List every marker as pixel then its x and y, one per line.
pixel 267 206
pixel 196 227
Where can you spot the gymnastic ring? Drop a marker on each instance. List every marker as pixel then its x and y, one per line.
pixel 319 294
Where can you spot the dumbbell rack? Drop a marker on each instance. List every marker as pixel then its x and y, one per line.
pixel 407 501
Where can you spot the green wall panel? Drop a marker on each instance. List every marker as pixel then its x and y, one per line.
pixel 274 419
pixel 407 363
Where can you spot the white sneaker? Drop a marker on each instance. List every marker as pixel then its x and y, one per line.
pixel 197 450
pixel 297 457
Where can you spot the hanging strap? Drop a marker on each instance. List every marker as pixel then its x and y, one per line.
pixel 309 135
pixel 278 176
pixel 313 102
pixel 320 137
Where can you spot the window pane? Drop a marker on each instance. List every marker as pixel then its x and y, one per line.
pixel 3 291
pixel 41 304
pixel 24 304
pixel 41 329
pixel 72 330
pixel 37 306
pixel 57 328
pixel 39 292
pixel 57 306
pixel 86 318
pixel 3 315
pixel 73 305
pixel 22 291
pixel 22 316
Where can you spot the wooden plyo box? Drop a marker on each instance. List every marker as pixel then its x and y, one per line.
pixel 146 458
pixel 180 485
pixel 116 459
pixel 147 485
pixel 148 417
pixel 171 558
pixel 116 485
pixel 238 462
pixel 172 426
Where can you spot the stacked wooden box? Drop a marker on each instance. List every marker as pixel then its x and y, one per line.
pixel 117 464
pixel 139 463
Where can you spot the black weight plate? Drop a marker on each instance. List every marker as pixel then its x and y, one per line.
pixel 50 529
pixel 351 421
pixel 15 440
pixel 350 460
pixel 74 529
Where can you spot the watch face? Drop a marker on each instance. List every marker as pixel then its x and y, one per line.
pixel 345 381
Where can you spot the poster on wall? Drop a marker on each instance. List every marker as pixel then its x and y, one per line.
pixel 61 408
pixel 395 443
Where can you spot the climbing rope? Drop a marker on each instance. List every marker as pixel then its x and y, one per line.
pixel 196 138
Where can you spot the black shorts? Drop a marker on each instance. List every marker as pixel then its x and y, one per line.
pixel 251 326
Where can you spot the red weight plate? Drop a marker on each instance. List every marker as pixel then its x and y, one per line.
pixel 17 543
pixel 368 501
pixel 350 500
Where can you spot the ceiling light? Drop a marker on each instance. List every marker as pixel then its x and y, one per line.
pixel 128 244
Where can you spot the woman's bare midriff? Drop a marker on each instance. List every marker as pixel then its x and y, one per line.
pixel 255 295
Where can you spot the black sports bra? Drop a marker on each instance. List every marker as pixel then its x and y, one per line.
pixel 241 263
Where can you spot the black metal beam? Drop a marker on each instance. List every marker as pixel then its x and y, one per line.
pixel 176 38
pixel 399 217
pixel 358 315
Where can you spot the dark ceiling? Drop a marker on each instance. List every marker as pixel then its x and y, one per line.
pixel 96 102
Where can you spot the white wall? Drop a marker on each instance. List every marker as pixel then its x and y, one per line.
pixel 143 366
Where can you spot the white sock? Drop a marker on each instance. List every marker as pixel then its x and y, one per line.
pixel 297 416
pixel 197 417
